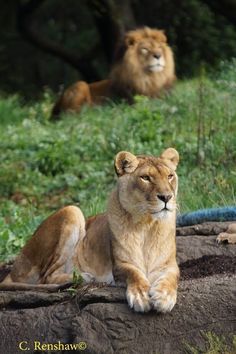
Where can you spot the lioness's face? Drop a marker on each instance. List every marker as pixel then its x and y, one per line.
pixel 150 187
pixel 151 55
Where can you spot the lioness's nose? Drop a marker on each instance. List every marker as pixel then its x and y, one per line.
pixel 164 197
pixel 157 55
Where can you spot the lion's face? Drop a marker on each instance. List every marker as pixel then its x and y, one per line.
pixel 147 48
pixel 144 64
pixel 151 55
pixel 148 185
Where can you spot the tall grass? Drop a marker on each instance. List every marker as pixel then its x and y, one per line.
pixel 45 165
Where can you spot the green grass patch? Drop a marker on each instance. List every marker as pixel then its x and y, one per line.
pixel 214 345
pixel 45 165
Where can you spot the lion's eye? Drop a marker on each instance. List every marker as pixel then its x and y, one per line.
pixel 170 177
pixel 145 178
pixel 144 50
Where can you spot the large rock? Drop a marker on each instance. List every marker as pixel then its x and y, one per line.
pixel 98 317
pixel 196 241
pixel 102 319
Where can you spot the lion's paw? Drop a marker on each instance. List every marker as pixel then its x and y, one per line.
pixel 163 299
pixel 226 238
pixel 138 299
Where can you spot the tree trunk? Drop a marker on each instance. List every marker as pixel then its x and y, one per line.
pixel 28 29
pixel 112 18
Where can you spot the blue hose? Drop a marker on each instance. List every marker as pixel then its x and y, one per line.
pixel 200 216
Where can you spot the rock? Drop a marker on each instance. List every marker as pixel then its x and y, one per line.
pixel 196 246
pixel 101 318
pixel 98 317
pixel 205 229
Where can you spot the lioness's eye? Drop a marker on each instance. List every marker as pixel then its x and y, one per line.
pixel 144 50
pixel 170 177
pixel 145 178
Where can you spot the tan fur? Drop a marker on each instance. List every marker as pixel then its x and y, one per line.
pixel 134 72
pixel 134 240
pixel 229 236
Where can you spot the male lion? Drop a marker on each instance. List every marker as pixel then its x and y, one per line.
pixel 144 65
pixel 134 241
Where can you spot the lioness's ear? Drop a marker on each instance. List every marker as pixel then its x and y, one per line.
pixel 170 157
pixel 125 162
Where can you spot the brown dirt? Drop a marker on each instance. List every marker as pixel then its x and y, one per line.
pixel 206 266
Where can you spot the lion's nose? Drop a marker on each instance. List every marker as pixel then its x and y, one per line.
pixel 157 55
pixel 164 197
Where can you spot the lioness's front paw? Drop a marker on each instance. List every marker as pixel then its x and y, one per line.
pixel 138 299
pixel 162 298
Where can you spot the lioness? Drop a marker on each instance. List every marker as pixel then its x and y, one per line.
pixel 134 241
pixel 144 65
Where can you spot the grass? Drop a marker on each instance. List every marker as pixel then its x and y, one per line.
pixel 45 165
pixel 214 345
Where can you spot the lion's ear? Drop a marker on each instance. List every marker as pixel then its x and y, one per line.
pixel 171 158
pixel 131 38
pixel 162 36
pixel 125 162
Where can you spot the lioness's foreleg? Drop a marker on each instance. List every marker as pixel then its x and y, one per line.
pixel 137 286
pixel 163 291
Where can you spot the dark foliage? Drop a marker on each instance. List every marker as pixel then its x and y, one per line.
pixel 53 43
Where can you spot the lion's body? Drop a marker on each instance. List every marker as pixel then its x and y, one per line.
pixel 80 93
pixel 144 66
pixel 134 241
